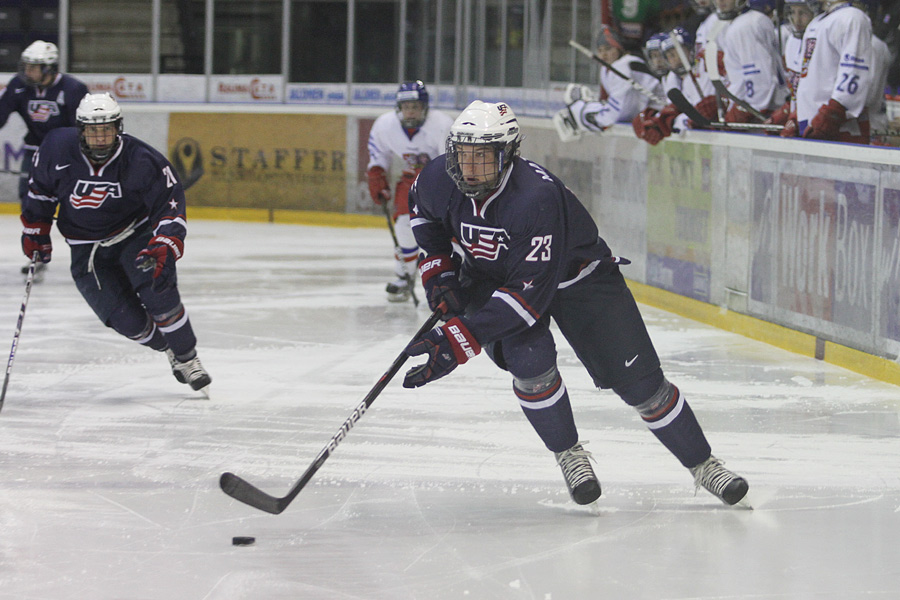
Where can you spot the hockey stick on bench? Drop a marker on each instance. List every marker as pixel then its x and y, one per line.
pixel 249 494
pixel 634 84
pixel 29 280
pixel 712 69
pixel 684 105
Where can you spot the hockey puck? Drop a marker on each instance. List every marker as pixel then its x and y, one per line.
pixel 242 541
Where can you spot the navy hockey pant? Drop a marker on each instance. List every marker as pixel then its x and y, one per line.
pixel 121 296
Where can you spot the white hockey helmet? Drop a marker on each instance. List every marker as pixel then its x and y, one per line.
pixel 44 54
pixel 98 109
pixel 483 123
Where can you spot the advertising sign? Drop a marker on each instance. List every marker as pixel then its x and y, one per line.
pixel 283 161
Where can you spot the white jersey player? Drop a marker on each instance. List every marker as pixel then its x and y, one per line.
pixel 876 105
pixel 836 76
pixel 751 58
pixel 411 135
pixel 619 101
pixel 799 14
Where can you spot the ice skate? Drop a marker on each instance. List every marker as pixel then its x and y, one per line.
pixel 190 372
pixel 398 291
pixel 719 481
pixel 580 479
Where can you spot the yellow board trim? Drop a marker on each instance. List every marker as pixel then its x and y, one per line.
pixel 854 360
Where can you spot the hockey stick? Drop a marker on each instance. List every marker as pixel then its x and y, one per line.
pixel 634 84
pixel 406 276
pixel 685 106
pixel 15 343
pixel 245 492
pixel 679 49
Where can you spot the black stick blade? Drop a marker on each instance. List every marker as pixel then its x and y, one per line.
pixel 249 494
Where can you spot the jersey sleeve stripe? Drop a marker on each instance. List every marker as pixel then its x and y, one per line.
pixel 516 306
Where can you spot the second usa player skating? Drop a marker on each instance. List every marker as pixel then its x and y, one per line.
pixel 122 212
pixel 532 252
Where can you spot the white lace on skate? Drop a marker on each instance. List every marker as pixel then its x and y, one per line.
pixel 719 481
pixel 190 372
pixel 578 473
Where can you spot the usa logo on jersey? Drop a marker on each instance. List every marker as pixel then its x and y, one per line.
pixel 483 242
pixel 41 111
pixel 91 194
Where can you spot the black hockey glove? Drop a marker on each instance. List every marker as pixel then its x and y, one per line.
pixel 447 346
pixel 441 284
pixel 160 255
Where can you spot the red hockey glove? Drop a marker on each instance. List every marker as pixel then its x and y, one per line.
pixel 378 185
pixel 790 126
pixel 736 114
pixel 36 238
pixel 160 255
pixel 638 122
pixel 827 122
pixel 707 107
pixel 441 284
pixel 447 347
pixel 779 117
pixel 660 126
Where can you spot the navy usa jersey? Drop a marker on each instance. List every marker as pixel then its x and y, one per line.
pixel 135 185
pixel 530 238
pixel 42 110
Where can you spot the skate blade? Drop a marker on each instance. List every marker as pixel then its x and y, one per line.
pixel 205 391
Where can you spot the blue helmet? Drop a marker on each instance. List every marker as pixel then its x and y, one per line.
pixel 412 91
pixel 686 40
pixel 763 6
pixel 727 15
pixel 653 54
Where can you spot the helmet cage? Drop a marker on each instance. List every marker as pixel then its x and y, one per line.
pixel 814 6
pixel 654 56
pixel 684 39
pixel 504 153
pixel 98 109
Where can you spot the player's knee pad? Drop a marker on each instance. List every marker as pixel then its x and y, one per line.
pixel 531 386
pixel 638 392
pixel 660 403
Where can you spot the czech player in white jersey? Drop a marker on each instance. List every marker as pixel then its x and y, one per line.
pixel 799 13
pixel 836 76
pixel 407 137
pixel 751 58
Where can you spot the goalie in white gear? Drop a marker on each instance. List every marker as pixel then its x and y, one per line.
pixel 405 139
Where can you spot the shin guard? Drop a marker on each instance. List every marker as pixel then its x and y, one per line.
pixel 672 421
pixel 545 401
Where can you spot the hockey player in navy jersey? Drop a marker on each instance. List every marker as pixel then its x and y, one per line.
pixel 531 251
pixel 44 98
pixel 122 213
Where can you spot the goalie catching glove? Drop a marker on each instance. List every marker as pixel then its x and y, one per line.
pixel 447 347
pixel 36 238
pixel 160 255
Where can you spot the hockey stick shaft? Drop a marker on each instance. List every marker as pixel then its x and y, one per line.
pixel 634 84
pixel 245 492
pixel 406 276
pixel 684 105
pixel 29 280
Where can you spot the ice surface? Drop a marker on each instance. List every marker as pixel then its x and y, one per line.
pixel 109 467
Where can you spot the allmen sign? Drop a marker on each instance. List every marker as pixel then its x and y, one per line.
pixel 234 160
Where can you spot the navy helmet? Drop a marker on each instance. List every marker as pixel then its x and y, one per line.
pixel 412 91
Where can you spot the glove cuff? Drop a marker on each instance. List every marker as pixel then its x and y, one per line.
pixel 173 245
pixel 463 343
pixel 37 228
pixel 435 265
pixel 378 184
